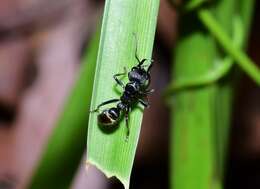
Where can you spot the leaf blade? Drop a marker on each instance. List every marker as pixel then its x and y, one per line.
pixel 109 152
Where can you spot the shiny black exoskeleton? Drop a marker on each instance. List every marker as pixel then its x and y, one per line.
pixel 135 91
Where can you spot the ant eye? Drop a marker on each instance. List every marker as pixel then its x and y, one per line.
pixel 134 68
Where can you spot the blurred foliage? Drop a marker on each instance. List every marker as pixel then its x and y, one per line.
pixel 67 143
pixel 210 37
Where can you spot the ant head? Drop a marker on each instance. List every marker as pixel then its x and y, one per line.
pixel 139 74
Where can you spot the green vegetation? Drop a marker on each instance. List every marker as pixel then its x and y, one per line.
pixel 211 39
pixel 209 55
pixel 67 143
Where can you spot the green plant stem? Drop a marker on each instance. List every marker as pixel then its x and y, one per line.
pixel 201 115
pixel 192 155
pixel 246 9
pixel 241 58
pixel 218 71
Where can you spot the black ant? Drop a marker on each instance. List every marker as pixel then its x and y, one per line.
pixel 135 91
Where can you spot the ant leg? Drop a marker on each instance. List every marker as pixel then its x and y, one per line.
pixel 148 73
pixel 104 103
pixel 145 93
pixel 149 91
pixel 127 123
pixel 117 80
pixel 150 66
pixel 141 62
pixel 144 103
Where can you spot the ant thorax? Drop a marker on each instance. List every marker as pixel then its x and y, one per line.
pixel 132 88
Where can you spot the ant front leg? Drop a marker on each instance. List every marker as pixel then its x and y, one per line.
pixel 104 103
pixel 140 62
pixel 119 82
pixel 127 123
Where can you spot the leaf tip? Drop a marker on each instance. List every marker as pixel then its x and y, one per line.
pixel 107 173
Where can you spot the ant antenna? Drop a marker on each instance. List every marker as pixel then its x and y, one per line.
pixel 140 62
pixel 136 56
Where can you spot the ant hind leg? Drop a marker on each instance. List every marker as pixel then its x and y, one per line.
pixel 127 124
pixel 104 103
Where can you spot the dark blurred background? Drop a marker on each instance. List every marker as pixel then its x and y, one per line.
pixel 41 45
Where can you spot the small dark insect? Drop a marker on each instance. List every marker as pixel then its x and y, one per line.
pixel 135 91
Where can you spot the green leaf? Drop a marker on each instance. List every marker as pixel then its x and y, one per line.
pixel 108 150
pixel 66 145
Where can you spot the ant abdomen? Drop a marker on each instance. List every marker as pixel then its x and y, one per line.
pixel 109 116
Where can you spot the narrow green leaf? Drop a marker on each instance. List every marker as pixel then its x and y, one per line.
pixel 66 145
pixel 188 5
pixel 108 150
pixel 192 4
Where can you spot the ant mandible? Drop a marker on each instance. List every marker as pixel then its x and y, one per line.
pixel 135 91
